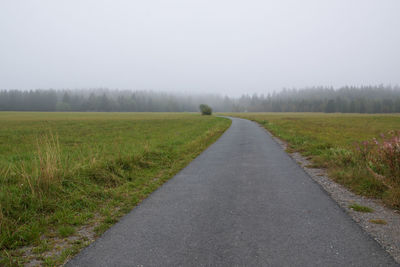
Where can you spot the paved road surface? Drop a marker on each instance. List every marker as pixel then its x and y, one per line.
pixel 243 202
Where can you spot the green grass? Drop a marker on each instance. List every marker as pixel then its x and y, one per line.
pixel 66 230
pixel 328 140
pixel 360 208
pixel 59 171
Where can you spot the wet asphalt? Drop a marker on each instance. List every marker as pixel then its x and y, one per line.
pixel 242 202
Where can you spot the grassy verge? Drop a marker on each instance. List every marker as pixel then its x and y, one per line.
pixel 329 140
pixel 62 172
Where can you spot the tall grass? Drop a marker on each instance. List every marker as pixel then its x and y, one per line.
pixel 30 187
pixel 381 157
pixel 46 171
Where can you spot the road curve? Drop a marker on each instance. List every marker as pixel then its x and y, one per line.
pixel 242 202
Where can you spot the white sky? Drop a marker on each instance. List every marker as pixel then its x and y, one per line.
pixel 219 46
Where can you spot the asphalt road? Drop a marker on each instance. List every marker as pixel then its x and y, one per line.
pixel 242 202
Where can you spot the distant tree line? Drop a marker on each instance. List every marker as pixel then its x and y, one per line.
pixel 367 99
pixel 99 100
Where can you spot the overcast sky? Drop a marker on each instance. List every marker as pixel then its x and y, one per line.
pixel 220 46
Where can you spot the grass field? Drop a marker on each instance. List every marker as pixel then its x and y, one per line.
pixel 331 141
pixel 60 171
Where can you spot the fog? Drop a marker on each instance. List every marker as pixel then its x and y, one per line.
pixel 220 47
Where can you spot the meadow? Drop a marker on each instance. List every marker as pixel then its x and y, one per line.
pixel 60 172
pixel 360 151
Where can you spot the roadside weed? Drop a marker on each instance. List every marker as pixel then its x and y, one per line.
pixel 360 208
pixel 378 221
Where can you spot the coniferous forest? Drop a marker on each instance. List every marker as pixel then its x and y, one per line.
pixel 367 99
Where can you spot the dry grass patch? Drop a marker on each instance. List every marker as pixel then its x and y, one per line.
pixel 377 221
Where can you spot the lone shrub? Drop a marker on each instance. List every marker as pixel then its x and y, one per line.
pixel 205 109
